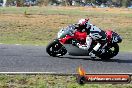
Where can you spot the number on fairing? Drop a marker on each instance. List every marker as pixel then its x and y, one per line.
pixel 95 29
pixel 95 36
pixel 115 39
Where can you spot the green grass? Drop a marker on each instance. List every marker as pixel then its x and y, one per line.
pixel 60 11
pixel 49 81
pixel 39 25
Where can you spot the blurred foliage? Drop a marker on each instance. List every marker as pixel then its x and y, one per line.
pixel 114 3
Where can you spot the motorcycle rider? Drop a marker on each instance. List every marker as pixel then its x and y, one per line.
pixel 93 33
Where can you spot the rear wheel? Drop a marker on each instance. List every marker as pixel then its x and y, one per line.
pixel 55 48
pixel 111 52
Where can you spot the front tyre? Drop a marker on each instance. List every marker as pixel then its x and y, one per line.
pixel 55 48
pixel 110 52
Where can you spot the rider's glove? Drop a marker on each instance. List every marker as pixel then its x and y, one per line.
pixel 75 43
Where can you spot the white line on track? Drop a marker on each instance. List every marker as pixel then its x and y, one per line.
pixel 17 44
pixel 55 73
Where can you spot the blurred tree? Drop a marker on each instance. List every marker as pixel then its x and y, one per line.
pixel 117 3
pixel 43 2
pixel 53 1
pixel 68 2
pixel 10 1
pixel 126 3
pixel 19 3
pixel 102 1
pixel 129 3
pixel 90 1
pixel 1 1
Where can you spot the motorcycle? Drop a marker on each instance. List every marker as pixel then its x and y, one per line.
pixel 63 44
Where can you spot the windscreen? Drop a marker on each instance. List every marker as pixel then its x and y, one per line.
pixel 69 30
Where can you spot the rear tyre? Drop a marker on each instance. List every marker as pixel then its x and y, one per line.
pixel 55 48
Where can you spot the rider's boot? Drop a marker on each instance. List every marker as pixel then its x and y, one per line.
pixel 92 54
pixel 94 51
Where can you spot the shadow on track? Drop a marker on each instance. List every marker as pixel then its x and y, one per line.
pixel 120 61
pixel 98 59
pixel 83 58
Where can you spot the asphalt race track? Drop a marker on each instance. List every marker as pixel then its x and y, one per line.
pixel 26 58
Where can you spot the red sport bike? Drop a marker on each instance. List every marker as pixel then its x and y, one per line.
pixel 63 44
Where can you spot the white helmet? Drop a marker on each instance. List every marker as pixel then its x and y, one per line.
pixel 84 23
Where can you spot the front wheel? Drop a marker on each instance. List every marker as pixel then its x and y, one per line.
pixel 55 48
pixel 110 52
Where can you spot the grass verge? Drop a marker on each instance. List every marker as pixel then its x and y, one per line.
pixel 39 25
pixel 49 81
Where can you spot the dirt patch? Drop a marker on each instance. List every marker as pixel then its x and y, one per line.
pixel 42 28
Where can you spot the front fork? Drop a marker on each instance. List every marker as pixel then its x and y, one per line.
pixel 62 47
pixel 102 49
pixel 56 40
